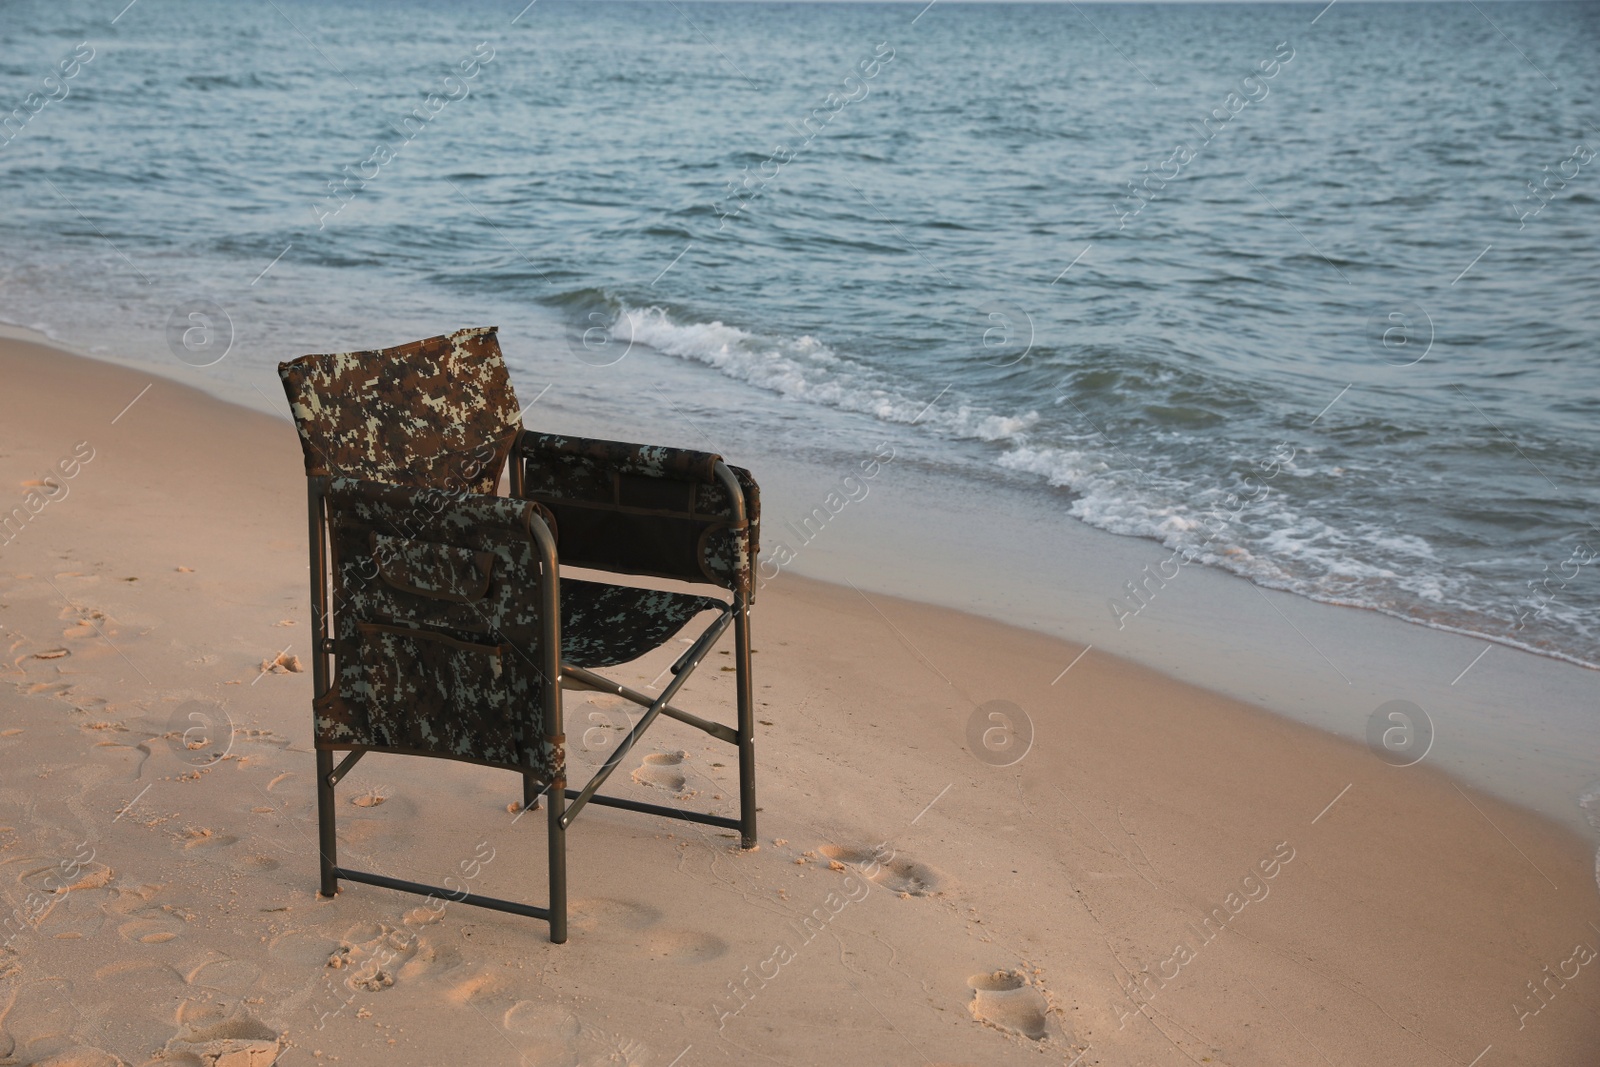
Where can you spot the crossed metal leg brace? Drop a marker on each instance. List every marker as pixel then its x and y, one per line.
pixel 560 815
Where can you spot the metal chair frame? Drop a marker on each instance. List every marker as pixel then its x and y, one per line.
pixel 564 804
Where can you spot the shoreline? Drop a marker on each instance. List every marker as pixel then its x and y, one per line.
pixel 235 391
pixel 1327 665
pixel 1027 906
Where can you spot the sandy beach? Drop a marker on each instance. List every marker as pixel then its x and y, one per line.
pixel 1164 876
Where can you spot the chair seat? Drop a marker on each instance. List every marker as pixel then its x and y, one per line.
pixel 604 625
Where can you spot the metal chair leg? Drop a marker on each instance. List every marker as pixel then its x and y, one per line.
pixel 327 842
pixel 558 861
pixel 747 725
pixel 530 793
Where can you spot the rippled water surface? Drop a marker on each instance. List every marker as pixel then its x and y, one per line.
pixel 1275 292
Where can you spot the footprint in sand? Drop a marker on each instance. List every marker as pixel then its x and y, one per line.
pixel 235 977
pixel 544 1019
pixel 641 926
pixel 383 805
pixel 363 933
pixel 205 837
pixel 37 1019
pixel 423 915
pixel 150 931
pixel 59 910
pixel 203 1010
pixel 548 1034
pixel 1006 1001
pixel 240 1039
pixel 87 623
pixel 483 983
pixel 67 876
pixel 146 921
pixel 302 948
pixel 602 913
pixel 373 956
pixel 903 876
pixel 662 770
pixel 684 946
pixel 256 863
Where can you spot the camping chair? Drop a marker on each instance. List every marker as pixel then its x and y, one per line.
pixel 451 631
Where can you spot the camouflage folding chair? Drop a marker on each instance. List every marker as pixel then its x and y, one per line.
pixel 451 631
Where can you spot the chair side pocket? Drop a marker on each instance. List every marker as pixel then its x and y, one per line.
pixel 428 692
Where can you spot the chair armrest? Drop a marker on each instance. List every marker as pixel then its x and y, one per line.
pixel 428 585
pixel 434 552
pixel 551 453
pixel 643 509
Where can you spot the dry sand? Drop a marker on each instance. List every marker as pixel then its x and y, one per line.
pixel 1269 894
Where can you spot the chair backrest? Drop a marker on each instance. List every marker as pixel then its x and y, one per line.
pixel 434 414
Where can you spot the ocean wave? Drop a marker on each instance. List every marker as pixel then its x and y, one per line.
pixel 1281 541
pixel 1273 544
pixel 806 369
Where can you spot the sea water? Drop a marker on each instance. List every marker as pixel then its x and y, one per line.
pixel 1311 295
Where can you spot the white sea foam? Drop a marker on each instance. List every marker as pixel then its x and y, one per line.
pixel 1270 542
pixel 806 369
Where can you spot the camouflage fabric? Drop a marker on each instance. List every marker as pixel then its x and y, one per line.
pixel 443 573
pixel 603 625
pixel 644 509
pixel 438 413
pixel 437 628
pixel 652 461
pixel 730 553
